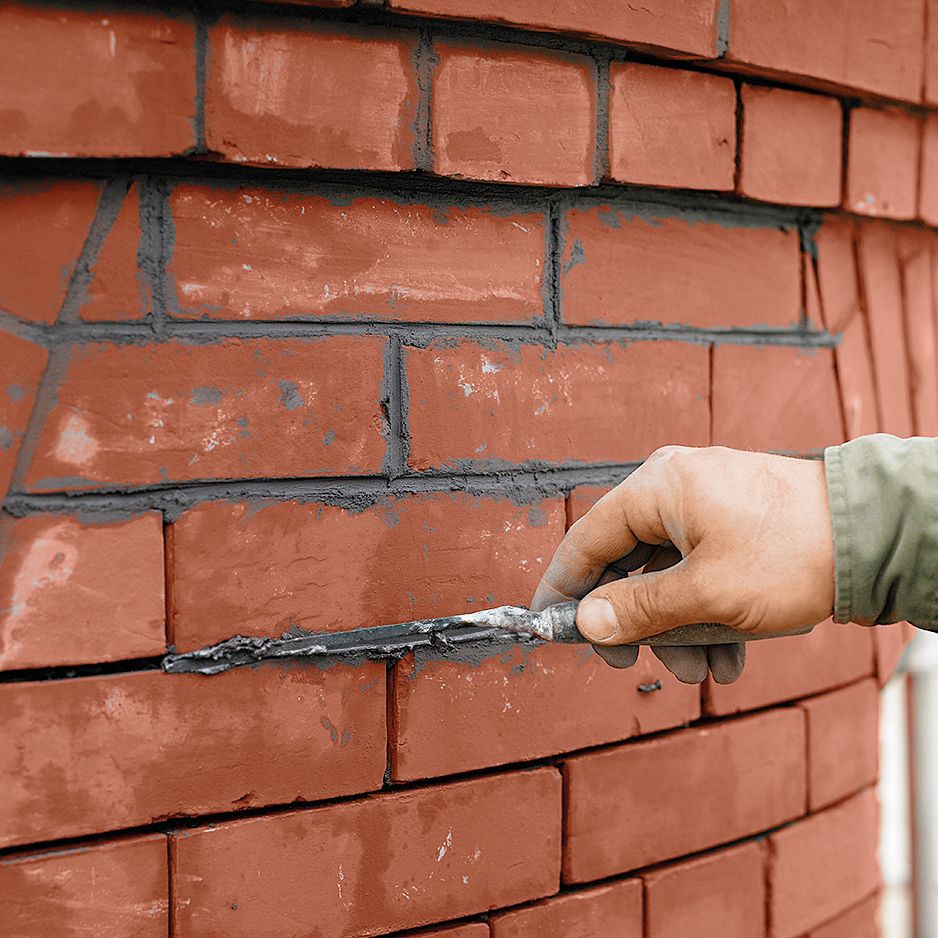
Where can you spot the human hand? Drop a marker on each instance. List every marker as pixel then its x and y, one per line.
pixel 754 534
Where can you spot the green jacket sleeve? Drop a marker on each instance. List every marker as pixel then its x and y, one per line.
pixel 883 495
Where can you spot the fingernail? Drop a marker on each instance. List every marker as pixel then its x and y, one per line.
pixel 596 619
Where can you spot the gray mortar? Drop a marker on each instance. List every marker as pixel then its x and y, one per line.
pixel 425 61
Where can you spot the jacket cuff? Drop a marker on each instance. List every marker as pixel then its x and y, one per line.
pixel 883 495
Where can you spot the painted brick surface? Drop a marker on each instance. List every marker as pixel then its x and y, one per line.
pixel 281 93
pixel 688 27
pixel 43 226
pixel 74 593
pixel 488 109
pixel 259 568
pixel 267 254
pixel 882 163
pixel 822 865
pixel 620 267
pixel 787 668
pixel 671 128
pixel 722 893
pixel 790 404
pixel 614 909
pixel 114 751
pixel 843 742
pixel 791 147
pixel 471 402
pixel 451 716
pixel 138 415
pixel 117 887
pixel 410 858
pixel 872 48
pixel 80 82
pixel 735 778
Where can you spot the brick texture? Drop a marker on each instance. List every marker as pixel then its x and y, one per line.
pixel 118 887
pixel 284 94
pixel 475 403
pixel 734 778
pixel 74 593
pixel 822 865
pixel 233 409
pixel 452 716
pixel 862 921
pixel 268 254
pixel 620 267
pixel 408 858
pixel 264 569
pixel 22 364
pixel 83 83
pixel 669 127
pixel 98 753
pixel 488 108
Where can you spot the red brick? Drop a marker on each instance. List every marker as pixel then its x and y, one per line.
pixel 882 163
pixel 791 147
pixel 862 921
pixel 837 272
pixel 722 894
pixel 581 499
pixel 855 373
pixel 22 364
pixel 262 569
pixel 931 52
pixel 687 26
pixel 488 114
pixel 118 291
pixel 73 593
pixel 611 910
pixel 523 403
pixel 668 127
pixel 775 398
pixel 780 669
pixel 472 930
pixel 928 189
pixel 140 415
pixel 454 716
pixel 374 866
pixel 263 254
pixel 98 753
pixel 85 83
pixel 733 779
pixel 619 268
pixel 43 226
pixel 822 865
pixel 843 742
pixel 882 290
pixel 917 295
pixel 867 45
pixel 889 644
pixel 117 887
pixel 283 93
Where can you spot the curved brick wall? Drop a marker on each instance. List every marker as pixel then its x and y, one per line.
pixel 276 353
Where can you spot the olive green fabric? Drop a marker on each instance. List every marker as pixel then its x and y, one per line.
pixel 884 503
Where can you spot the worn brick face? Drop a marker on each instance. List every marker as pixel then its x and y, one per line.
pixel 620 267
pixel 79 82
pixel 453 716
pixel 138 415
pixel 669 127
pixel 281 93
pixel 488 115
pixel 255 568
pixel 266 254
pixel 119 887
pixel 22 364
pixel 74 593
pixel 470 402
pixel 101 753
pixel 402 859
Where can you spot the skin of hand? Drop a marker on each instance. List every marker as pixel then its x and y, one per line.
pixel 756 553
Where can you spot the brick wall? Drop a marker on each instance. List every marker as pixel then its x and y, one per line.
pixel 323 316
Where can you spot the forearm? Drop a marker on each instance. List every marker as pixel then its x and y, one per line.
pixel 883 495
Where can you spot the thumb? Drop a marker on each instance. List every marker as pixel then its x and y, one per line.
pixel 633 608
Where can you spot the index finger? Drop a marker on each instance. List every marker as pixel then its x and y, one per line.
pixel 612 528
